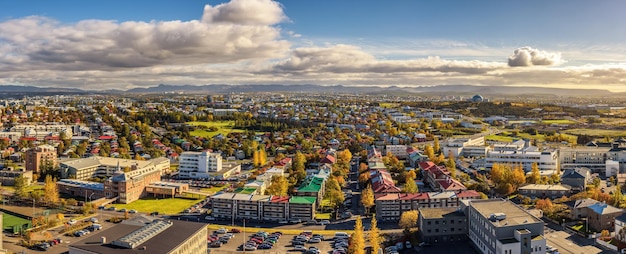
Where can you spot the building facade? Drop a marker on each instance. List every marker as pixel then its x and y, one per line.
pixel 390 206
pixel 235 206
pixel 443 224
pixel 198 164
pixel 497 226
pixel 44 155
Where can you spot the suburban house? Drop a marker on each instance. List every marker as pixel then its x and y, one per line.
pixel 602 216
pixel 576 177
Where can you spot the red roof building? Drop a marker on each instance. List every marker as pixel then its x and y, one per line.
pixel 382 182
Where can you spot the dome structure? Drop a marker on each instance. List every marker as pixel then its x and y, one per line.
pixel 478 98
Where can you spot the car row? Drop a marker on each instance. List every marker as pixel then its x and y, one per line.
pixel 261 241
pixel 44 246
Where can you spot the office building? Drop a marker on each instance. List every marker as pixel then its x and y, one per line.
pixel 198 164
pixel 443 224
pixel 102 167
pixel 498 226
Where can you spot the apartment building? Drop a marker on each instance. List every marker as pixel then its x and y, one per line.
pixel 456 146
pixel 41 155
pixel 591 157
pixel 198 164
pixel 498 226
pixel 262 207
pixel 130 186
pixel 397 150
pixel 146 234
pixel 390 206
pixel 443 224
pixel 438 177
pixel 40 131
pixel 546 160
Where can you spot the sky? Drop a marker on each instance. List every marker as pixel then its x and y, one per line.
pixel 128 44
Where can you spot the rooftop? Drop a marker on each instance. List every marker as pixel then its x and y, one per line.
pixel 440 212
pixel 162 242
pixel 82 184
pixel 515 215
pixel 302 200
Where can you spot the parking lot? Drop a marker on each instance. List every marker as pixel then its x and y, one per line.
pixel 282 246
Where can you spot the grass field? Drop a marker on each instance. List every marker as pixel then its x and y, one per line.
pixel 499 138
pixel 8 221
pixel 163 206
pixel 389 105
pixel 597 132
pixel 223 127
pixel 558 121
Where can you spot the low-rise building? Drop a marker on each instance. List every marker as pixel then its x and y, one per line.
pixel 577 178
pixel 198 164
pixel 501 227
pixel 602 216
pixel 146 234
pixel 542 191
pixel 97 166
pixel 78 188
pixel 312 186
pixel 7 176
pixel 443 224
pixel 390 206
pixel 262 207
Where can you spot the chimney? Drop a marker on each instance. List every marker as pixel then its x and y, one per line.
pixel 103 240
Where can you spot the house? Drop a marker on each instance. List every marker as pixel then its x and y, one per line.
pixel 542 191
pixel 577 178
pixel 602 216
pixel 328 159
pixel 382 182
pixel 442 224
pixel 578 207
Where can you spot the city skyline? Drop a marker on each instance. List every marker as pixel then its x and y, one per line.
pixel 123 45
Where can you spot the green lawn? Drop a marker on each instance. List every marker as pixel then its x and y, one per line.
pixel 8 221
pixel 223 127
pixel 597 132
pixel 163 206
pixel 558 121
pixel 498 138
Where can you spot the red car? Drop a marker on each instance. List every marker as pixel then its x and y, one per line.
pixel 234 230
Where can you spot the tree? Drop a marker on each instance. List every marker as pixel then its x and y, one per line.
pixel 411 175
pixel 357 242
pixel 374 236
pixel 364 177
pixel 279 186
pixel 367 198
pixel 535 176
pixel 51 192
pixel 20 186
pixel 436 146
pixel 410 186
pixel 408 219
pixel 451 165
pixel 429 152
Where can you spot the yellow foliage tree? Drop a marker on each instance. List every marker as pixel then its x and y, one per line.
pixel 357 241
pixel 408 219
pixel 367 198
pixel 374 236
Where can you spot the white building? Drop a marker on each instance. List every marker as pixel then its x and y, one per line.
pixel 457 146
pixel 198 164
pixel 586 156
pixel 397 150
pixel 546 160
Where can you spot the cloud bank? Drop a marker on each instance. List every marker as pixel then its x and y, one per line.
pixel 527 56
pixel 241 42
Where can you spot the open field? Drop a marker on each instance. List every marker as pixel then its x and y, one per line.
pixel 223 127
pixel 163 206
pixel 597 132
pixel 558 121
pixel 214 189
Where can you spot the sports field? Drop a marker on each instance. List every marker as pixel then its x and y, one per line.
pixel 163 206
pixel 223 127
pixel 8 221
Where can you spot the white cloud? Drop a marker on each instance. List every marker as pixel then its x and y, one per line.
pixel 230 32
pixel 527 56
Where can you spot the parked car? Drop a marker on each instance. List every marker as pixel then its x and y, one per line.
pixel 234 230
pixel 324 222
pixel 221 231
pixel 94 220
pixel 132 211
pixel 408 245
pixel 296 221
pixel 300 248
pixel 209 218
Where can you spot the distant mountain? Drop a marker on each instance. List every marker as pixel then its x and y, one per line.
pixel 425 90
pixel 34 89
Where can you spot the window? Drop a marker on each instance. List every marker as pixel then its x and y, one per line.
pixel 451 221
pixel 429 223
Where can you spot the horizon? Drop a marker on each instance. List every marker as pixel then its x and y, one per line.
pixel 109 45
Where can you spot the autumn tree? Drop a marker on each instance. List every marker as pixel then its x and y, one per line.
pixel 357 241
pixel 535 175
pixel 51 192
pixel 374 236
pixel 364 177
pixel 410 186
pixel 279 186
pixel 367 198
pixel 451 165
pixel 20 186
pixel 411 175
pixel 436 146
pixel 408 219
pixel 333 192
pixel 429 152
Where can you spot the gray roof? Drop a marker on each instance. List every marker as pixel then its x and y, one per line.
pixel 575 173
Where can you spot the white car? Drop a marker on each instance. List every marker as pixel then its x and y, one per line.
pixel 221 231
pixel 408 245
pixel 209 218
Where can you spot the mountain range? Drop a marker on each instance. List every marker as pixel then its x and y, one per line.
pixel 440 90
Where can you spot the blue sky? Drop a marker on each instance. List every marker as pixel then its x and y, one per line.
pixel 401 42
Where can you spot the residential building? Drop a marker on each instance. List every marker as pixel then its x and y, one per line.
pixel 443 224
pixel 578 207
pixel 40 156
pixel 7 176
pixel 438 177
pixel 146 234
pixel 602 216
pixel 542 191
pixel 390 206
pixel 198 164
pixel 312 186
pixel 620 227
pixel 382 182
pixel 577 178
pixel 456 146
pixel 397 150
pixel 497 226
pixel 262 207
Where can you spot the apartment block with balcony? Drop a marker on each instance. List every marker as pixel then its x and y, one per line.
pixel 39 156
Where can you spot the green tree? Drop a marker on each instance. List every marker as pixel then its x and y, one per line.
pixel 367 198
pixel 374 236
pixel 357 241
pixel 408 219
pixel 21 183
